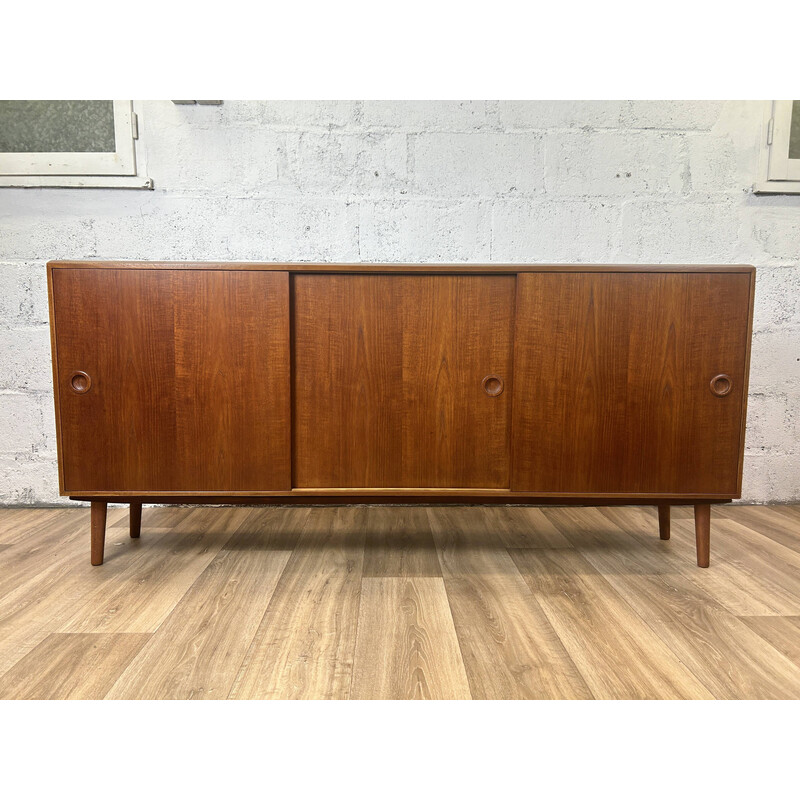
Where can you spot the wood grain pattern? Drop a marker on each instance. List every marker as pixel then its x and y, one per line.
pixel 789 510
pixel 752 575
pixel 509 647
pixel 190 380
pixel 17 523
pixel 778 523
pixel 136 593
pixel 407 647
pixel 523 527
pixel 116 325
pixel 71 666
pixel 768 565
pixel 611 375
pixel 41 574
pixel 399 545
pixel 783 633
pixel 396 397
pixel 304 646
pixel 617 653
pixel 600 574
pixel 197 652
pixel 154 517
pixel 728 659
pixel 34 553
pixel 232 380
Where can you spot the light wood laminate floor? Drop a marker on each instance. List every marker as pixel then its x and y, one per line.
pixel 400 602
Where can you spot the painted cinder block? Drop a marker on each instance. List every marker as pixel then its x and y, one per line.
pixel 216 161
pixel 294 229
pixel 777 299
pixel 772 422
pixel 24 429
pixel 422 115
pixel 549 231
pixel 671 115
pixel 775 360
pixel 26 359
pixel 679 232
pixel 716 166
pixel 424 231
pixel 36 224
pixel 543 114
pixel 371 164
pixel 771 231
pixel 23 294
pixel 771 477
pixel 283 114
pixel 30 481
pixel 484 164
pixel 614 164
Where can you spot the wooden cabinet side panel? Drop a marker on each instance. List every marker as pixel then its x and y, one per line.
pixel 612 374
pixel 387 380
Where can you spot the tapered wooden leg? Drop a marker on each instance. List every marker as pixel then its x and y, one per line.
pixel 702 532
pixel 663 521
pixel 99 508
pixel 136 520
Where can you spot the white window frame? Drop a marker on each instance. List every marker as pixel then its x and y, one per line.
pixel 777 173
pixel 110 170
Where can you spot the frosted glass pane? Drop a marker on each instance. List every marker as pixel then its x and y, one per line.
pixel 794 131
pixel 57 126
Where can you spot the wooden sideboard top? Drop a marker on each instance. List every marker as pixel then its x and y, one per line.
pixel 397 267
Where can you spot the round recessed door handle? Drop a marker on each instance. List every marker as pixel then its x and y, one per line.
pixel 721 385
pixel 493 385
pixel 80 382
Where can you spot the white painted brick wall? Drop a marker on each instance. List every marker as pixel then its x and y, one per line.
pixel 568 231
pixel 425 230
pixel 586 163
pixel 456 181
pixel 499 164
pixel 545 115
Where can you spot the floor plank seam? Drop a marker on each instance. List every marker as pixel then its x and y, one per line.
pixel 455 630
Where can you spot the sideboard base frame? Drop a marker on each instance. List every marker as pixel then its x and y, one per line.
pixel 702 510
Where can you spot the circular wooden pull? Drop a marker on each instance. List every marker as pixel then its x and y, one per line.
pixel 493 385
pixel 721 385
pixel 80 382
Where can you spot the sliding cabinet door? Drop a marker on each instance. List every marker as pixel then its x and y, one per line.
pixel 172 380
pixel 629 383
pixel 402 380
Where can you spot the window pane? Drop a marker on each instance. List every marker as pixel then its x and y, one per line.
pixel 57 126
pixel 794 131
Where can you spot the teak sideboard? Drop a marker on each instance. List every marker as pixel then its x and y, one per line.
pixel 234 383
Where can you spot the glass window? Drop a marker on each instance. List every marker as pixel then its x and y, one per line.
pixel 57 126
pixel 68 143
